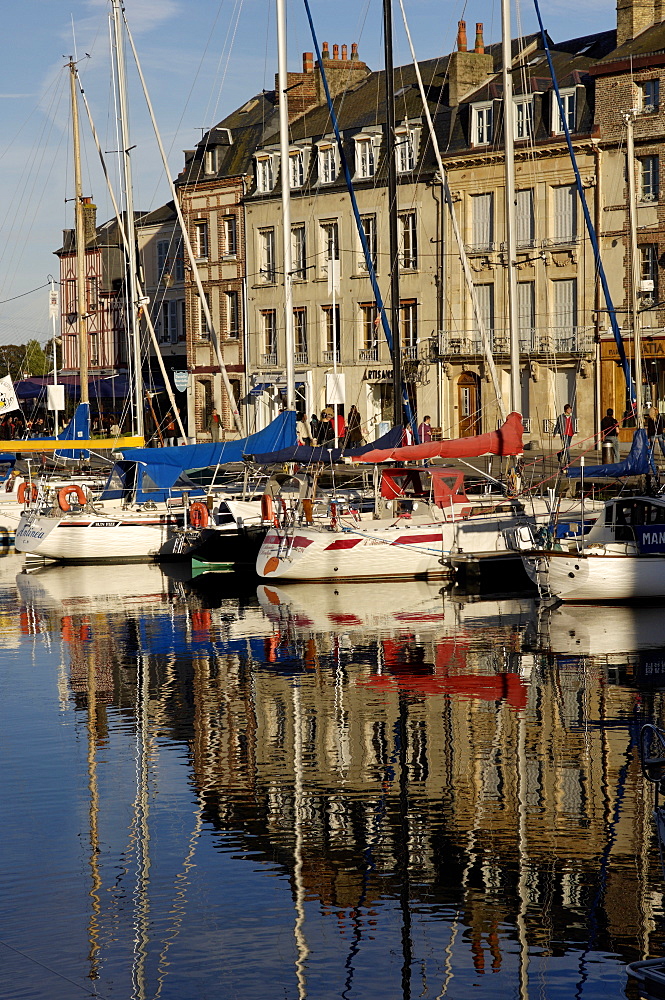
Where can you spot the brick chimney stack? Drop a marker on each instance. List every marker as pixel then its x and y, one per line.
pixel 468 70
pixel 308 62
pixel 302 88
pixel 89 220
pixel 341 74
pixel 634 17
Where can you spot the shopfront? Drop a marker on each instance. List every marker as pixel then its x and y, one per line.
pixel 613 389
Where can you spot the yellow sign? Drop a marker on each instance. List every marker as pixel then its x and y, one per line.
pixel 62 444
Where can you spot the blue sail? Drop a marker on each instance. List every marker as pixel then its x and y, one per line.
pixel 638 462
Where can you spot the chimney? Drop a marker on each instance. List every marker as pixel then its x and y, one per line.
pixel 341 74
pixel 467 71
pixel 634 17
pixel 89 220
pixel 308 62
pixel 480 45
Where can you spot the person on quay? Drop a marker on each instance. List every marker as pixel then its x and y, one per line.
pixel 425 430
pixel 354 433
pixel 214 425
pixel 566 430
pixel 303 432
pixel 609 431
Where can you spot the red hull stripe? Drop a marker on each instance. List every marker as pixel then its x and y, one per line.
pixel 343 543
pixel 416 539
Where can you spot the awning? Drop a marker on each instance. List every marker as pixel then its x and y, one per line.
pixel 260 387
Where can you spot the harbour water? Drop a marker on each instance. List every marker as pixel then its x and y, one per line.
pixel 213 788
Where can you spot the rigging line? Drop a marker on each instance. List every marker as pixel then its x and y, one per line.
pixel 23 294
pixel 85 989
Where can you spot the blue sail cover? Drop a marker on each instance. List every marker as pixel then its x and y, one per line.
pixel 638 462
pixel 323 453
pixel 159 469
pixel 78 429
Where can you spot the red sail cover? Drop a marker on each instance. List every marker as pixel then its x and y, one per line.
pixel 506 441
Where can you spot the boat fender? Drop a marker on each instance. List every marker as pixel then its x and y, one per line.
pixel 198 515
pixel 65 494
pixel 308 510
pixel 267 509
pixel 27 493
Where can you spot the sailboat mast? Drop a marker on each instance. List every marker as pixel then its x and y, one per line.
pixel 131 267
pixel 634 266
pixel 282 82
pixel 392 213
pixel 81 304
pixel 511 245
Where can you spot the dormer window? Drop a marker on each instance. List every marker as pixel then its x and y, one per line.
pixel 210 160
pixel 523 119
pixel 649 96
pixel 265 174
pixel 482 124
pixel 296 168
pixel 365 163
pixel 406 147
pixel 327 163
pixel 568 100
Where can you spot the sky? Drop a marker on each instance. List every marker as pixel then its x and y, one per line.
pixel 201 59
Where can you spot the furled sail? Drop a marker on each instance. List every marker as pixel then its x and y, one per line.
pixel 507 440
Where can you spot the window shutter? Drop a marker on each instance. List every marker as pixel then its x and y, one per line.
pixel 524 218
pixel 565 229
pixel 483 220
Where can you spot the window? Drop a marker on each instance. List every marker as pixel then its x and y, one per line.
pixel 296 168
pixel 162 258
pixel 565 213
pixel 564 309
pixel 648 174
pixel 327 164
pixel 92 294
pixel 649 270
pixel 526 312
pixel 210 160
pixel 300 334
pixel 329 239
pixel 267 272
pixel 204 329
pixel 482 215
pixel 269 333
pixel 524 220
pixel 485 296
pixel 179 262
pixel 482 118
pixel 232 315
pixel 201 239
pixel 649 96
pixel 331 333
pixel 230 236
pixel 171 321
pixel 409 327
pixel 94 348
pixel 408 243
pixel 298 253
pixel 523 126
pixel 265 180
pixel 369 229
pixel 369 350
pixel 405 150
pixel 364 158
pixel 568 100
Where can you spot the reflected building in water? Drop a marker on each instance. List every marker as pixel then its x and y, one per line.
pixel 475 762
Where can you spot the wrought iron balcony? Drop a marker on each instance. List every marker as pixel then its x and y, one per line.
pixel 539 341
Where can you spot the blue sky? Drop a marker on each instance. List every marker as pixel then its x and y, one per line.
pixel 201 58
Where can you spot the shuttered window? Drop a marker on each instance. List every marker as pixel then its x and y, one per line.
pixel 524 218
pixel 526 311
pixel 565 214
pixel 482 208
pixel 485 296
pixel 564 303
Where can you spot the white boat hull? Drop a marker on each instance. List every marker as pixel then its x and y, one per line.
pixel 105 537
pixel 597 575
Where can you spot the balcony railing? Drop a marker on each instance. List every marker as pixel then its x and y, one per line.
pixel 269 359
pixel 302 357
pixel 534 341
pixel 410 352
pixel 331 356
pixel 368 354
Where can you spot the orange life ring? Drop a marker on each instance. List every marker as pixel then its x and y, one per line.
pixel 198 515
pixel 267 509
pixel 65 493
pixel 27 488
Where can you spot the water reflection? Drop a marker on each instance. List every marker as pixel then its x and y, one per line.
pixel 349 791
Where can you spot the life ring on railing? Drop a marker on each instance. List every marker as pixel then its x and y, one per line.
pixel 64 494
pixel 198 515
pixel 27 493
pixel 267 509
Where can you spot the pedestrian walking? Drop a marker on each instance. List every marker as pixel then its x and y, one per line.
pixel 566 430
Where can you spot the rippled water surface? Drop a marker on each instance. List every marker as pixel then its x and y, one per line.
pixel 217 790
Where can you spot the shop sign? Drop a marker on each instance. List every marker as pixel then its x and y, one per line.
pixel 180 380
